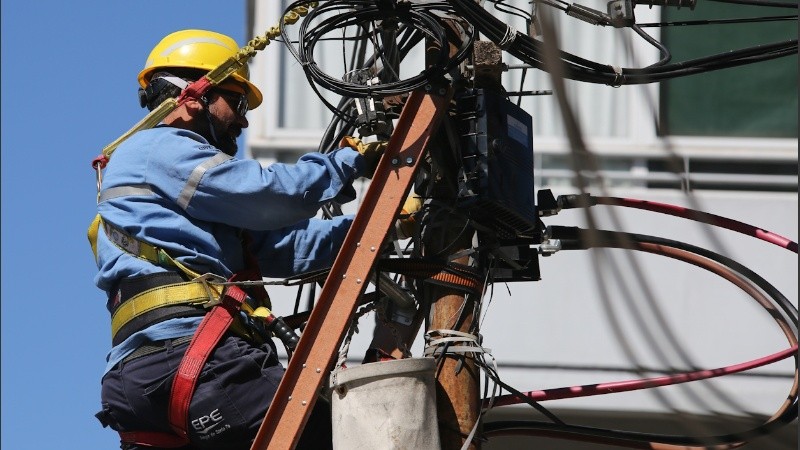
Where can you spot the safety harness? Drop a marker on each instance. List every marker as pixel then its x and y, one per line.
pixel 223 300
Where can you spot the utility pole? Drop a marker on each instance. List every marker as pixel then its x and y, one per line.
pixel 457 396
pixel 455 309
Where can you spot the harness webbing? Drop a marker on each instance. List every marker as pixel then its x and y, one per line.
pixel 190 292
pixel 133 246
pixel 215 323
pixel 205 339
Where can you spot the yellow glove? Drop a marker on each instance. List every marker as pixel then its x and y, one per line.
pixel 371 151
pixel 405 224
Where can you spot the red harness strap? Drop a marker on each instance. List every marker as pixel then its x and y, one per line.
pixel 208 334
pixel 205 339
pixel 195 90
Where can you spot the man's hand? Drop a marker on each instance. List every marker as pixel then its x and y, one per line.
pixel 405 224
pixel 371 151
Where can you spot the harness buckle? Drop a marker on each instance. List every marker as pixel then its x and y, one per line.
pixel 212 283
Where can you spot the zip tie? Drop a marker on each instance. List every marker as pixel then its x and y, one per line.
pixel 434 345
pixel 617 76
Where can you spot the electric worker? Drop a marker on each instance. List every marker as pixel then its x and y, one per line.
pixel 178 210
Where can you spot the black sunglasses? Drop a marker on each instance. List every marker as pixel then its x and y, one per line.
pixel 235 98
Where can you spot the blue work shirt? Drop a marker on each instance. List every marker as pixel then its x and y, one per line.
pixel 170 188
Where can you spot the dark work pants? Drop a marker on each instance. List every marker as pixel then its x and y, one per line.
pixel 234 390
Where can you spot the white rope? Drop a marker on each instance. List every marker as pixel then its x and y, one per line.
pixel 346 344
pixel 439 343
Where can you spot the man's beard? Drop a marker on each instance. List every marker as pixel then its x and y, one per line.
pixel 218 136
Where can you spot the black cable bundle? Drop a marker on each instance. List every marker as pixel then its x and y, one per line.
pixel 424 18
pixel 532 52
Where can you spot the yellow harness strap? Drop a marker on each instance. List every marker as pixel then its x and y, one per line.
pixel 94 227
pixel 133 246
pixel 188 293
pixel 195 292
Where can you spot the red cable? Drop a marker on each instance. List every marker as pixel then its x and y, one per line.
pixel 626 442
pixel 700 216
pixel 632 385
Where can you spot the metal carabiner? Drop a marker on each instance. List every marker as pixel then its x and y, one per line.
pixel 214 296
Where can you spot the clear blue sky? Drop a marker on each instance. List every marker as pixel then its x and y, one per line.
pixel 68 89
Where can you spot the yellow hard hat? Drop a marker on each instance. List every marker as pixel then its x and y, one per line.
pixel 197 49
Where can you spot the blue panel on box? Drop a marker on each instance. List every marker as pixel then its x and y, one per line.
pixel 496 178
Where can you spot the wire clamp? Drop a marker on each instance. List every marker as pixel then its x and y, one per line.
pixel 550 246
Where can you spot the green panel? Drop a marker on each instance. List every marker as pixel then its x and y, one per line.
pixel 755 100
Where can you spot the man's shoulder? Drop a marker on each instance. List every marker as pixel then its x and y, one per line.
pixel 164 139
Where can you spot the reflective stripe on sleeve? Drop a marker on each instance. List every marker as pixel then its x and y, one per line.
pixel 197 175
pixel 122 191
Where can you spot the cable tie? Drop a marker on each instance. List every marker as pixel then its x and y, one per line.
pixel 617 76
pixel 508 38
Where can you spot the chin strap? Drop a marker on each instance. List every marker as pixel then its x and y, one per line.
pixel 213 138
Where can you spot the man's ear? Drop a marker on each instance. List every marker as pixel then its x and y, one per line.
pixel 185 113
pixel 193 106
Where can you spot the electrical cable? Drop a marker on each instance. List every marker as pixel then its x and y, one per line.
pixel 582 239
pixel 630 439
pixel 630 385
pixel 409 37
pixel 501 6
pixel 759 3
pixel 576 66
pixel 718 21
pixel 686 213
pixel 423 17
pixel 530 51
pixel 578 238
pixel 666 56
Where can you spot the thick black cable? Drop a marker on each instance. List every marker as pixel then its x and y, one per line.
pixel 622 437
pixel 684 23
pixel 665 54
pixel 501 6
pixel 713 60
pixel 530 51
pixel 759 3
pixel 533 403
pixel 346 121
pixel 423 17
pixel 577 238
